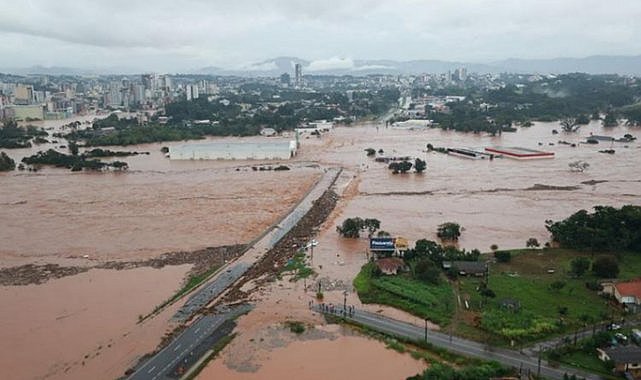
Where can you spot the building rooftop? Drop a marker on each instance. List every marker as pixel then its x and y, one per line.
pixel 518 151
pixel 624 354
pixel 630 288
pixel 466 266
pixel 390 264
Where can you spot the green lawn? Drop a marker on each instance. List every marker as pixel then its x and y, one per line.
pixel 434 302
pixel 543 311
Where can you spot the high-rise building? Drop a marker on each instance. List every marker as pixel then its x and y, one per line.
pixel 285 80
pixel 23 94
pixel 298 75
pixel 148 81
pixel 191 92
pixel 139 93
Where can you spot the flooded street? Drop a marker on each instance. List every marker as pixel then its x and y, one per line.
pixel 335 356
pixel 158 206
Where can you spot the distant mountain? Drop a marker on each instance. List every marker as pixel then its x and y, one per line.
pixel 624 65
pixel 597 64
pixel 59 70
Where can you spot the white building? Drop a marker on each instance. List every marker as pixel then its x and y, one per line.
pixel 277 150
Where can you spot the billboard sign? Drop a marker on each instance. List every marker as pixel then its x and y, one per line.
pixel 381 244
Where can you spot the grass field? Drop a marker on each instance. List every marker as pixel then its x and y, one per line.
pixel 542 313
pixel 434 302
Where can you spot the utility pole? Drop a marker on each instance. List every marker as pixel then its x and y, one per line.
pixel 345 303
pixel 425 329
pixel 538 369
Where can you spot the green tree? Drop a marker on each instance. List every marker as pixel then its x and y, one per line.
pixel 503 256
pixel 370 152
pixel 6 163
pixel 610 120
pixel 419 165
pixel 557 285
pixel 532 243
pixel 605 267
pixel 579 266
pixel 352 227
pixel 73 148
pixel 426 271
pixel 400 167
pixel 449 231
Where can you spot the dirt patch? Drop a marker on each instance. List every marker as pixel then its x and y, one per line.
pixel 202 260
pixel 268 268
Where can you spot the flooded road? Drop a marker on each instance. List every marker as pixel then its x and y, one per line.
pixel 319 354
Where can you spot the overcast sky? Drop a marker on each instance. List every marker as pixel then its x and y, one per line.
pixel 172 35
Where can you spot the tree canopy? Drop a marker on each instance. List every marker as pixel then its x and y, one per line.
pixel 606 229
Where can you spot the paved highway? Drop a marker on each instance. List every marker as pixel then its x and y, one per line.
pixel 210 291
pixel 159 366
pixel 225 278
pixel 162 364
pixel 462 346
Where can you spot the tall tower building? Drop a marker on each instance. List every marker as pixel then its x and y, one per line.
pixel 298 75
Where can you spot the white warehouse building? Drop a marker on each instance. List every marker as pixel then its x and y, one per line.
pixel 273 150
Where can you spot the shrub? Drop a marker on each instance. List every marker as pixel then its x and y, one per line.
pixel 579 266
pixel 449 231
pixel 605 267
pixel 503 256
pixel 532 243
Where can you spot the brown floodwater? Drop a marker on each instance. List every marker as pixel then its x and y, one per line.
pixel 162 205
pixel 495 201
pixel 338 357
pixel 64 327
pixel 142 213
pixel 488 198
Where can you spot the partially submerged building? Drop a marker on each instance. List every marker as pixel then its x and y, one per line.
pixel 519 153
pixel 474 154
pixel 272 150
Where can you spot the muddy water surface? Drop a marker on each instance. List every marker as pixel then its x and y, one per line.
pixel 54 329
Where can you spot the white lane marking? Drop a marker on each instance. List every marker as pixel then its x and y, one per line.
pixel 177 347
pixel 152 369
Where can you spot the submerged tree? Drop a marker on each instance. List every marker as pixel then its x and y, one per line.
pixel 570 124
pixel 449 231
pixel 419 165
pixel 578 166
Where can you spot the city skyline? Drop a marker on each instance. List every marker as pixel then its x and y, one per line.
pixel 134 36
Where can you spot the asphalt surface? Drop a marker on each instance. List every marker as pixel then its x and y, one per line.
pixel 163 363
pixel 465 347
pixel 211 291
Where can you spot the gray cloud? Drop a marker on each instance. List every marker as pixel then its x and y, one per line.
pixel 171 35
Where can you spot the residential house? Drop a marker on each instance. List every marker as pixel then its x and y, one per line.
pixel 626 359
